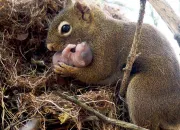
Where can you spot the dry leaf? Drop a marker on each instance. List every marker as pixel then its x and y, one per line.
pixel 63 117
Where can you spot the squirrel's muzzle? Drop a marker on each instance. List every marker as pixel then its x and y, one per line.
pixel 53 46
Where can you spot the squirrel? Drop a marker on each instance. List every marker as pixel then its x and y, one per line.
pixel 153 93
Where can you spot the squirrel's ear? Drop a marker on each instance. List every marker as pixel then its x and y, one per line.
pixel 84 11
pixel 68 3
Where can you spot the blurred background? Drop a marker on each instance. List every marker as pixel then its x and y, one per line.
pixel 130 9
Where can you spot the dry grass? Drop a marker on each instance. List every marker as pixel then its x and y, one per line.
pixel 27 83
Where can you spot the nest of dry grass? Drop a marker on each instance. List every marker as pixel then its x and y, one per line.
pixel 27 83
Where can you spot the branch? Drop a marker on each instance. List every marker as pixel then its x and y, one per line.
pixel 168 15
pixel 133 52
pixel 99 115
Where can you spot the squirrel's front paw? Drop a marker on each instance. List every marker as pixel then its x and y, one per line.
pixel 64 70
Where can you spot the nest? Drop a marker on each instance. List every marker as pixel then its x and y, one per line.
pixel 27 84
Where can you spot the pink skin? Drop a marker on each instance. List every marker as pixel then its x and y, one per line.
pixel 81 57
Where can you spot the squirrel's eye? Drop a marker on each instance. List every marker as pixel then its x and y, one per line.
pixel 64 29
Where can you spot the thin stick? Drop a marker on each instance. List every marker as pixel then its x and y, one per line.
pixel 99 115
pixel 133 52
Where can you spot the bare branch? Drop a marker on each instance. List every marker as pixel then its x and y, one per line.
pixel 133 52
pixel 168 15
pixel 99 115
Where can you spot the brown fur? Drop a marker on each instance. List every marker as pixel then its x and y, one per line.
pixel 153 94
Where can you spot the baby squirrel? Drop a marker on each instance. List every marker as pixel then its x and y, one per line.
pixel 153 93
pixel 79 55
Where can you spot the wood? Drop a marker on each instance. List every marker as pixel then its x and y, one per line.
pixel 167 14
pixel 99 115
pixel 133 52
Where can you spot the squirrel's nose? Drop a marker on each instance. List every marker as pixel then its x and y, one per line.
pixel 50 46
pixel 54 46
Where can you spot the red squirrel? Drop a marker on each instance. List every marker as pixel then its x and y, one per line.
pixel 153 93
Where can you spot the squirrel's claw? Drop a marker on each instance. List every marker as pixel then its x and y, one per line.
pixel 64 70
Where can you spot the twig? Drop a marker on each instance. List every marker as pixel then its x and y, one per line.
pixel 133 52
pixel 3 107
pixel 99 115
